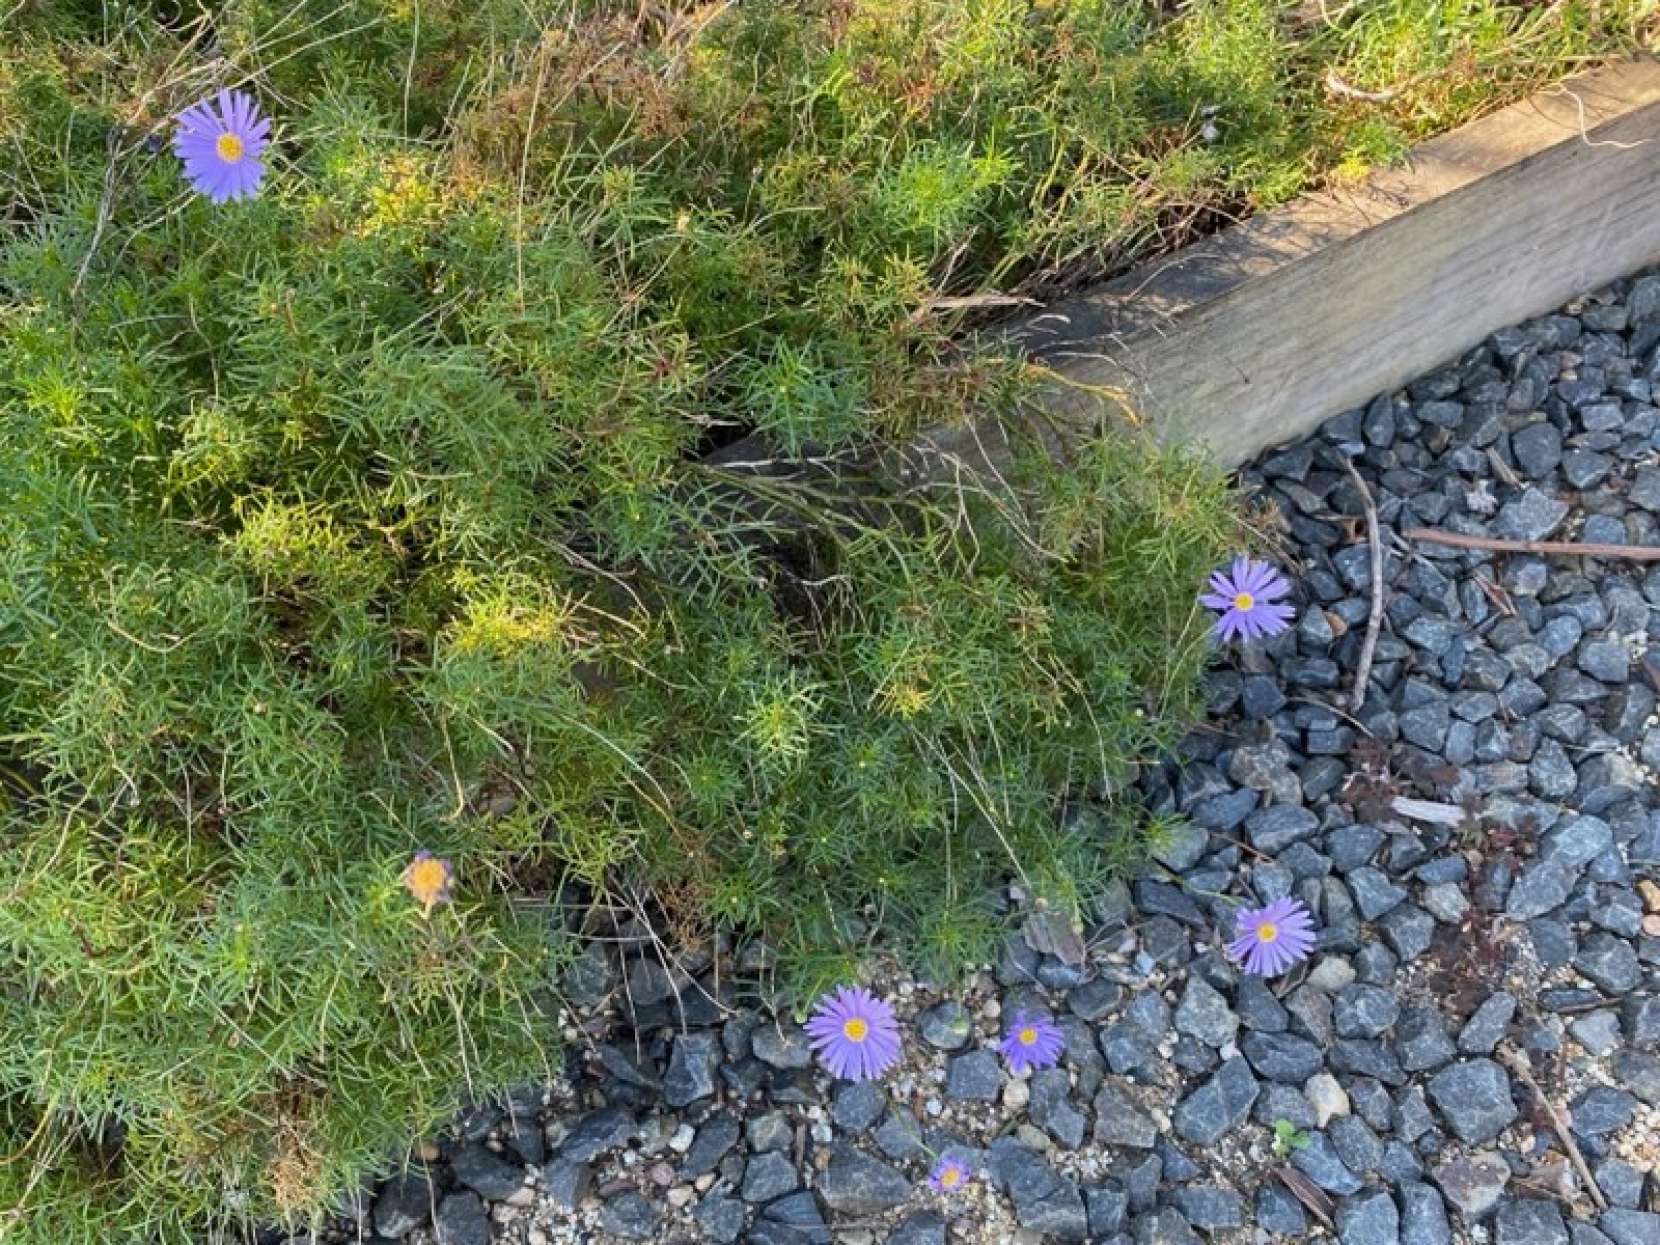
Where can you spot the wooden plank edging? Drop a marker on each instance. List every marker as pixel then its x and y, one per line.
pixel 1256 336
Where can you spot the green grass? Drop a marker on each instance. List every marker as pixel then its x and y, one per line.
pixel 374 515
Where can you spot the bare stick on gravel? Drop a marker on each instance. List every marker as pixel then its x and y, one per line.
pixel 1517 1062
pixel 1589 549
pixel 1374 620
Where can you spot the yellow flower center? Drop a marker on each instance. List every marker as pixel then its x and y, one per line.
pixel 229 147
pixel 1027 1036
pixel 1244 601
pixel 854 1029
pixel 1267 932
pixel 426 880
pixel 949 1178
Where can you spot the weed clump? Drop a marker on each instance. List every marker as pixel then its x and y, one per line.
pixel 376 575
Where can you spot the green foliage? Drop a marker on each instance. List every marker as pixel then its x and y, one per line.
pixel 378 514
pixel 1288 1138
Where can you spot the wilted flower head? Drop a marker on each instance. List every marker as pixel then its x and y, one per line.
pixel 430 879
pixel 220 140
pixel 1031 1041
pixel 948 1174
pixel 855 1033
pixel 1245 597
pixel 1270 940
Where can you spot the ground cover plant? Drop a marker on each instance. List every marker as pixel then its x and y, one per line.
pixel 371 514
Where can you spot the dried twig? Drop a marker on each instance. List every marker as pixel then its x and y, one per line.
pixel 1494 544
pixel 1374 619
pixel 1517 1062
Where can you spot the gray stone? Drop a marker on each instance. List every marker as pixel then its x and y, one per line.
pixel 461 1220
pixel 1107 1205
pixel 1620 1182
pixel 1119 1122
pixel 1375 1059
pixel 1210 1206
pixel 1597 1032
pixel 945 1026
pixel 1363 1011
pixel 1532 516
pixel 1487 1024
pixel 1630 1227
pixel 1204 1014
pixel 769 1131
pixel 1319 1162
pixel 1369 1218
pixel 404 1203
pixel 1640 1017
pixel 721 1218
pixel 1051 1109
pixel 1576 841
pixel 1473 1184
pixel 1043 1200
pixel 715 1138
pixel 1537 449
pixel 1374 894
pixel 1355 1144
pixel 974 1077
pixel 1530 1221
pixel 768 1176
pixel 1543 886
pixel 1601 1109
pixel 1423 1215
pixel 1282 1057
pixel 1218 1106
pixel 1421 1039
pixel 799 1211
pixel 693 1060
pixel 856 1184
pixel 1409 930
pixel 858 1105
pixel 782 1046
pixel 1645 489
pixel 1278 1212
pixel 565 1183
pixel 1474 1097
pixel 1164 1227
pixel 1277 827
pixel 486 1173
pixel 923 1227
pixel 1609 962
pixel 629 1216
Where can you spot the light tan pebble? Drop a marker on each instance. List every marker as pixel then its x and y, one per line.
pixel 821 1159
pixel 524 1196
pixel 1025 1236
pixel 855 1236
pixel 681 1195
pixel 1326 1096
pixel 554 1133
pixel 429 1153
pixel 591 1204
pixel 1034 1139
pixel 704 1181
pixel 535 1236
pixel 906 989
pixel 991 1009
pixel 682 1139
pixel 1016 1094
pixel 1331 974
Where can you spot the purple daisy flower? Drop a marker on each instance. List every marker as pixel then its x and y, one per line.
pixel 1247 598
pixel 1031 1042
pixel 948 1175
pixel 855 1033
pixel 221 148
pixel 1270 940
